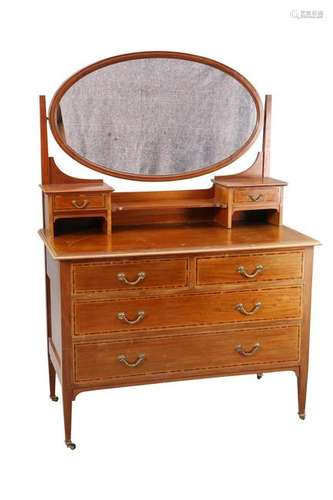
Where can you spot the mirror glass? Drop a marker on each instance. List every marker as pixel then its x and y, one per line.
pixel 157 117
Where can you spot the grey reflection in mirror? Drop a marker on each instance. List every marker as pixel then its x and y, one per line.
pixel 157 116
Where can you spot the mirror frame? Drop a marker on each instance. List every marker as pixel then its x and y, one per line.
pixel 53 111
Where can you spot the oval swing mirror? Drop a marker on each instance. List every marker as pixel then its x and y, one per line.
pixel 156 116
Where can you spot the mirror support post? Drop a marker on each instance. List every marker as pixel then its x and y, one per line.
pixel 43 141
pixel 266 142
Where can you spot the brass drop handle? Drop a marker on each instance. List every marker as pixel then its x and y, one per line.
pixel 122 277
pixel 254 349
pixel 123 317
pixel 76 204
pixel 242 310
pixel 255 198
pixel 123 359
pixel 259 269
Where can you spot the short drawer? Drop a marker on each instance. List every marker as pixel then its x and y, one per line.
pixel 73 201
pixel 129 275
pixel 167 355
pixel 256 195
pixel 188 309
pixel 249 267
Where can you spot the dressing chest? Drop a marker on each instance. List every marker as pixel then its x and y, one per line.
pixel 145 287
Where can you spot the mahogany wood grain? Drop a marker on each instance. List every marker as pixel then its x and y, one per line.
pixel 222 371
pixel 56 176
pixel 242 180
pixel 156 207
pixel 256 196
pixel 158 196
pixel 101 316
pixel 103 276
pixel 54 291
pixel 77 187
pixel 185 353
pixel 225 269
pixel 266 146
pixel 75 202
pixel 305 339
pixel 78 201
pixel 164 215
pixel 44 141
pixel 51 368
pixel 246 192
pixel 275 329
pixel 173 239
pixel 67 351
pixel 148 205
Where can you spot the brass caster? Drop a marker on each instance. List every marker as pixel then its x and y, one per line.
pixel 54 398
pixel 70 445
pixel 259 375
pixel 301 416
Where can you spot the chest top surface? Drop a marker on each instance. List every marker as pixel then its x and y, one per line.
pixel 174 239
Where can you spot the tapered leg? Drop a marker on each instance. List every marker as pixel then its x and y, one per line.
pixel 305 333
pixel 67 406
pixel 52 373
pixel 52 380
pixel 301 388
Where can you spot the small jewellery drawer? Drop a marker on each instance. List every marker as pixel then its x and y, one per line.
pixel 165 355
pixel 249 267
pixel 168 311
pixel 73 201
pixel 130 275
pixel 256 195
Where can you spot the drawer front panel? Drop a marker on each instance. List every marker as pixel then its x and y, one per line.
pixel 130 275
pixel 130 315
pixel 256 195
pixel 110 360
pixel 74 201
pixel 251 267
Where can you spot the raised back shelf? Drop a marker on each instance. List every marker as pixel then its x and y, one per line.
pixel 164 200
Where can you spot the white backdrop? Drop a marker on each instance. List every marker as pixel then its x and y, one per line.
pixel 227 438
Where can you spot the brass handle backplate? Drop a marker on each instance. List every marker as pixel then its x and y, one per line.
pixel 122 277
pixel 259 269
pixel 242 310
pixel 123 359
pixel 123 317
pixel 255 197
pixel 76 204
pixel 241 351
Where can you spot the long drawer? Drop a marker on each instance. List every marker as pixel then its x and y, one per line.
pixel 101 361
pixel 129 275
pixel 130 315
pixel 249 267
